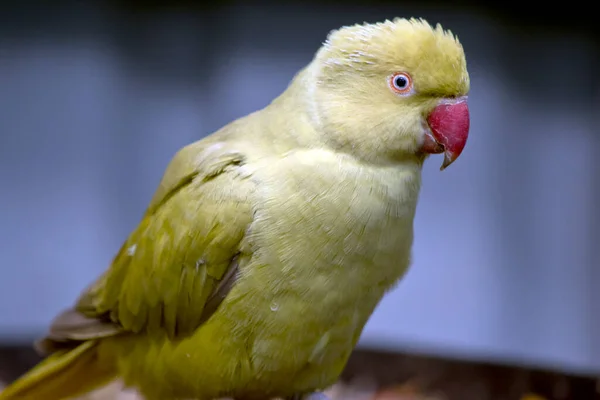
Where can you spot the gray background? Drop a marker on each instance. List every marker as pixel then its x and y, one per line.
pixel 94 101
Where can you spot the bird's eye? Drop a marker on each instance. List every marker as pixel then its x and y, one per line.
pixel 400 83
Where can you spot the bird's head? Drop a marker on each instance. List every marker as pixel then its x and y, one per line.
pixel 392 90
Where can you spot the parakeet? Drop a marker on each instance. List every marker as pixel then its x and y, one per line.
pixel 269 243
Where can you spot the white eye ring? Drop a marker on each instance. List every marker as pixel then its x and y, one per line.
pixel 401 83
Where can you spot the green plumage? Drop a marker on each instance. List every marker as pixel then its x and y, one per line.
pixel 268 244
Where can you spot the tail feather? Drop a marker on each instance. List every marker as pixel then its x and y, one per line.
pixel 63 375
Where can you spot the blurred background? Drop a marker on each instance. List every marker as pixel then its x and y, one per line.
pixel 96 97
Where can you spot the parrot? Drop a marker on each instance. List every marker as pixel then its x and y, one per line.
pixel 269 243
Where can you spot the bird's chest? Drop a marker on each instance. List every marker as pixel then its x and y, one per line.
pixel 326 224
pixel 328 240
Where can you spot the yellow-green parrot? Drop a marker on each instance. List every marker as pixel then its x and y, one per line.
pixel 270 242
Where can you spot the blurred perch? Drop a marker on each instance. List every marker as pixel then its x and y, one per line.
pixel 372 375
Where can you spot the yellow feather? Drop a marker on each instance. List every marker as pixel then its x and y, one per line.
pixel 63 375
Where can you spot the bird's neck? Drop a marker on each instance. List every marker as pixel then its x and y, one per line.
pixel 295 116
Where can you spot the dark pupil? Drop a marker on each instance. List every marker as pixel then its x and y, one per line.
pixel 401 82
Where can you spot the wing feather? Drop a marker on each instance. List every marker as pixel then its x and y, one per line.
pixel 177 266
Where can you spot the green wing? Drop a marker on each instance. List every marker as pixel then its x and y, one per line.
pixel 179 263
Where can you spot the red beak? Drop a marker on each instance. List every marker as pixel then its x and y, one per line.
pixel 449 125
